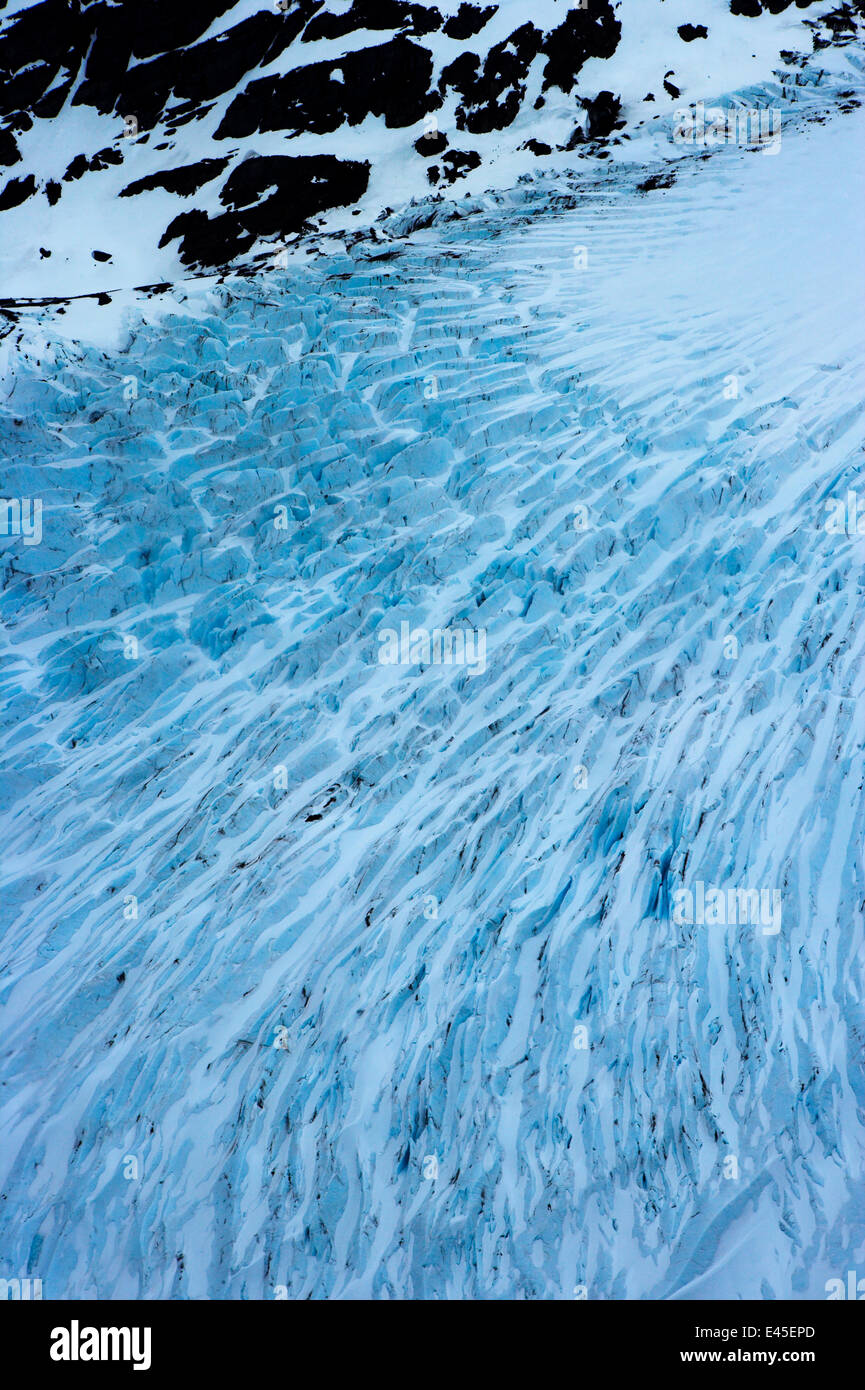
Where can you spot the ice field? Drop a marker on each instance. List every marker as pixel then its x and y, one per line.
pixel 331 978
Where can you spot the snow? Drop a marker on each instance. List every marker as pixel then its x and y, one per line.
pixel 281 922
pixel 740 55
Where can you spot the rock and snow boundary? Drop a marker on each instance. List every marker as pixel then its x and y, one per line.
pixel 142 141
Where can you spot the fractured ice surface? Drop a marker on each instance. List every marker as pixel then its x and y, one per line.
pixel 336 978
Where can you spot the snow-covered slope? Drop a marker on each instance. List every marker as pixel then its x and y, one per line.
pixel 144 139
pixel 334 978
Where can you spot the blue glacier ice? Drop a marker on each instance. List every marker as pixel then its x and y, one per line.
pixel 324 977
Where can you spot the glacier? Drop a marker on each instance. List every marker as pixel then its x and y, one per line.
pixel 327 978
